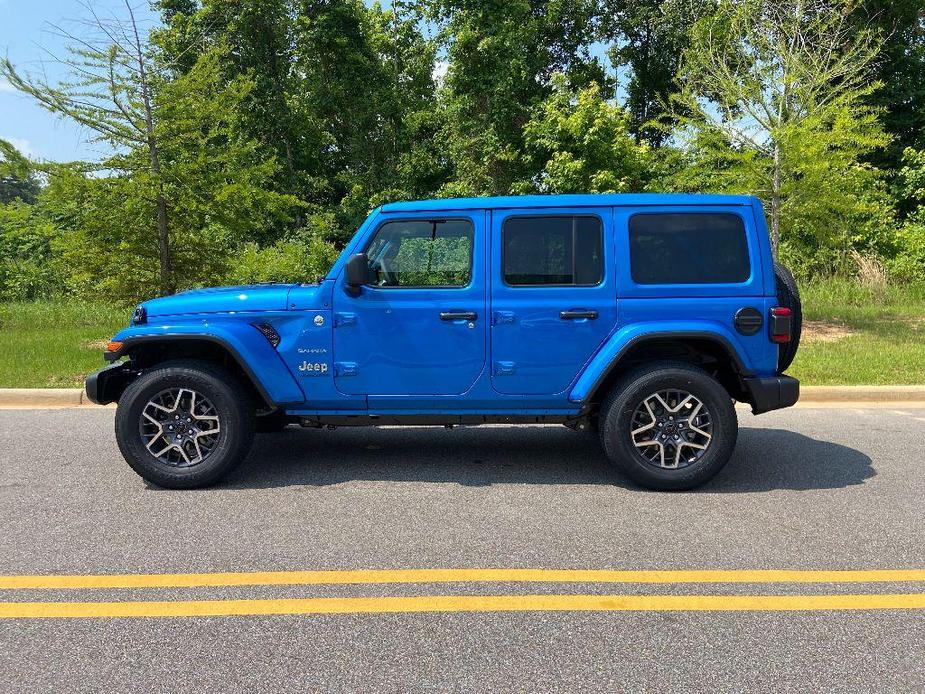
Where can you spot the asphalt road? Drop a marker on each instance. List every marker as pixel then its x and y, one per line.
pixel 808 489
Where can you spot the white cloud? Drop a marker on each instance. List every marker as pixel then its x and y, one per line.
pixel 24 146
pixel 5 86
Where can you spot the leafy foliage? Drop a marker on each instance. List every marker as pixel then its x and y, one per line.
pixel 248 140
pixel 17 179
pixel 580 142
pixel 25 253
pixel 775 103
pixel 649 39
pixel 908 258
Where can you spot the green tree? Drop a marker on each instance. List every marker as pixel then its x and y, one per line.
pixel 17 178
pixel 775 104
pixel 501 59
pixel 366 83
pixel 581 143
pixel 26 270
pixel 648 38
pixel 343 96
pixel 184 181
pixel 900 70
pixel 256 44
pixel 110 92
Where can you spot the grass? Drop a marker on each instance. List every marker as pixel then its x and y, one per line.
pixel 870 336
pixel 855 336
pixel 54 344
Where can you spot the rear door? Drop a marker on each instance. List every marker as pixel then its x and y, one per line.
pixel 553 296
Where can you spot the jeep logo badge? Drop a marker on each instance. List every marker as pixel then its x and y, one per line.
pixel 313 368
pixel 319 320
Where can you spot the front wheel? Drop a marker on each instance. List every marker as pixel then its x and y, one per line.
pixel 184 424
pixel 668 426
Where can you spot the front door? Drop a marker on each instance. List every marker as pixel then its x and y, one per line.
pixel 553 296
pixel 418 326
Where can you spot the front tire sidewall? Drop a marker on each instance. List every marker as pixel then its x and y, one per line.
pixel 235 417
pixel 616 428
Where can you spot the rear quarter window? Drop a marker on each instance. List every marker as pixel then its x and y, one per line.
pixel 688 248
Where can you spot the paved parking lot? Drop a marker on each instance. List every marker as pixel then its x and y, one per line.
pixel 808 490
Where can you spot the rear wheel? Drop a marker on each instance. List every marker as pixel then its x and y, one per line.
pixel 184 424
pixel 668 426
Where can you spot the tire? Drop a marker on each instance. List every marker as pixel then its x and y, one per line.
pixel 221 404
pixel 625 403
pixel 788 296
pixel 272 423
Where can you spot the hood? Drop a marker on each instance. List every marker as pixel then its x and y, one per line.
pixel 252 297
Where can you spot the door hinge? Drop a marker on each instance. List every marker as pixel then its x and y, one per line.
pixel 499 317
pixel 341 319
pixel 345 368
pixel 505 368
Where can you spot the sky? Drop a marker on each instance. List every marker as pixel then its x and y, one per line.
pixel 26 38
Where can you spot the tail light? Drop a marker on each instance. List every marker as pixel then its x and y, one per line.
pixel 780 324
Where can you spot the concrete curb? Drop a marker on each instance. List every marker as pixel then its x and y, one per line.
pixel 895 394
pixel 23 398
pixel 42 397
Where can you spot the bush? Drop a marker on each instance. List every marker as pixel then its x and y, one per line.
pixel 301 259
pixel 26 271
pixel 908 265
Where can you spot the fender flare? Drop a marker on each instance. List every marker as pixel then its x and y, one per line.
pixel 602 365
pixel 278 396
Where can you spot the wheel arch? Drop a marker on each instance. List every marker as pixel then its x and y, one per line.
pixel 145 351
pixel 704 348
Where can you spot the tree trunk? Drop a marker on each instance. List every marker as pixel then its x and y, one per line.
pixel 163 232
pixel 775 203
pixel 163 246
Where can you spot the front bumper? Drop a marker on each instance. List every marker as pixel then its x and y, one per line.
pixel 107 384
pixel 773 393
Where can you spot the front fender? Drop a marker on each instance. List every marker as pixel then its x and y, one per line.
pixel 629 336
pixel 249 348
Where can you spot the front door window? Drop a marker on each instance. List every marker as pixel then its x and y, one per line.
pixel 421 253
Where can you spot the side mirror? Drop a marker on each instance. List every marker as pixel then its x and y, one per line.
pixel 357 271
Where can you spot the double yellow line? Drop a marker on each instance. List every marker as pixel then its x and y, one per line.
pixel 458 603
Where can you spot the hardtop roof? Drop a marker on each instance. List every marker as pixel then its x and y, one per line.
pixel 582 200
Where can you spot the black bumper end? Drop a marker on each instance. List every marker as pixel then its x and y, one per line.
pixel 766 394
pixel 107 384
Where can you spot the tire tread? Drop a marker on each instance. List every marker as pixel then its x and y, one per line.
pixel 618 399
pixel 241 410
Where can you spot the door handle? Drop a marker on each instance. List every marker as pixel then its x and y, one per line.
pixel 575 314
pixel 458 315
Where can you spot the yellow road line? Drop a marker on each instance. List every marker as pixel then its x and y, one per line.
pixel 462 603
pixel 278 578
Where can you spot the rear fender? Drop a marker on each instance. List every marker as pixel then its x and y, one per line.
pixel 619 344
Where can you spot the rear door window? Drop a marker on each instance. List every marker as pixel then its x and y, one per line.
pixel 688 248
pixel 552 251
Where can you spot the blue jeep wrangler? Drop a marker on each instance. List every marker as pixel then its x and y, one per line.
pixel 638 317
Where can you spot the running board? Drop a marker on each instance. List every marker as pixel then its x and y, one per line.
pixel 573 421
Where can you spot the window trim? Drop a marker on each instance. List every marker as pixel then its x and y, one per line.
pixel 652 213
pixel 574 217
pixel 469 279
